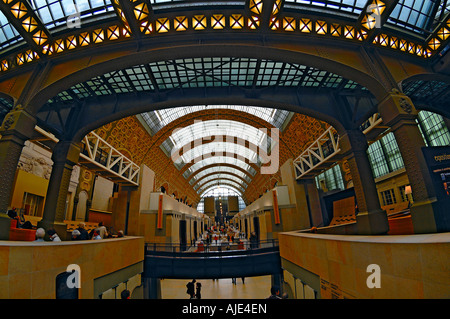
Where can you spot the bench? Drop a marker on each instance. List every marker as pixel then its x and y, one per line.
pixel 20 234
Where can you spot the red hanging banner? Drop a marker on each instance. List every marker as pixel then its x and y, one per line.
pixel 159 223
pixel 275 207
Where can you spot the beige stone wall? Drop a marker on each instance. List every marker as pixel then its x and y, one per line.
pixel 28 270
pixel 411 266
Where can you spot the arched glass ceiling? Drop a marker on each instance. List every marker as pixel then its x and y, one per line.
pixel 219 160
pixel 8 34
pixel 219 176
pixel 218 182
pixel 207 150
pixel 217 130
pixel 225 169
pixel 54 13
pixel 221 190
pixel 352 6
pixel 156 120
pixel 418 15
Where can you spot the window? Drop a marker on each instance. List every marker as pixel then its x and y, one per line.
pixel 403 196
pixel 377 159
pixel 433 129
pixel 331 179
pixel 33 204
pixel 388 197
pixel 392 152
pixel 220 193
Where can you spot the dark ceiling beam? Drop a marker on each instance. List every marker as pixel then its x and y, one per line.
pixel 23 18
pixel 103 109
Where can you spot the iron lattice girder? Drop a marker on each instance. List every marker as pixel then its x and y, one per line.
pixel 22 16
pixel 71 42
pixel 108 161
pixel 94 112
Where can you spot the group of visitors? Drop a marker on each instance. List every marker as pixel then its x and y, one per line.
pixel 194 289
pixel 80 233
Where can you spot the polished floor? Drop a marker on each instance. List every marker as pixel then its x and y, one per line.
pixel 252 288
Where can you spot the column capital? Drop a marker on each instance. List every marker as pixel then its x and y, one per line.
pixel 66 152
pixel 397 106
pixel 18 123
pixel 353 141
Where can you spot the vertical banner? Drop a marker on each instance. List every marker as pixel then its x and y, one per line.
pixel 275 207
pixel 159 224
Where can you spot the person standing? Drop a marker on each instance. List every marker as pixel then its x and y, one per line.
pixel 198 291
pixel 191 289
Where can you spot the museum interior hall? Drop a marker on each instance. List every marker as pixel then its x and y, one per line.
pixel 288 148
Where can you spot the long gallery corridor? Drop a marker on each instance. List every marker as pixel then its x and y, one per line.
pixel 252 288
pixel 303 141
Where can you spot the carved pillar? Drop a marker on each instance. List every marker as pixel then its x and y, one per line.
pixel 17 127
pixel 399 113
pixel 371 219
pixel 65 156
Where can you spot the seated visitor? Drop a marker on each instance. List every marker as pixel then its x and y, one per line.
pixel 96 235
pixel 40 233
pixel 76 235
pixel 84 235
pixel 53 235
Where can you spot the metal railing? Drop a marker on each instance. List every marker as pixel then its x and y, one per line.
pixel 224 248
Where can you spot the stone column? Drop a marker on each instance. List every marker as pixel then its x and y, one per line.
pixel 398 112
pixel 18 126
pixel 65 157
pixel 371 219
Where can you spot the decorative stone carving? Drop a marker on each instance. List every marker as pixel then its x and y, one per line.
pixel 37 166
pixel 405 105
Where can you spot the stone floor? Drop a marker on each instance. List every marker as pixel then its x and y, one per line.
pixel 252 288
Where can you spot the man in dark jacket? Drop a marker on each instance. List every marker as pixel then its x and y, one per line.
pixel 84 235
pixel 191 289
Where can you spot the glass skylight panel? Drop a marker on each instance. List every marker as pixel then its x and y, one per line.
pixel 219 160
pixel 158 119
pixel 221 175
pixel 225 169
pixel 207 150
pixel 222 190
pixel 218 130
pixel 54 13
pixel 8 34
pixel 350 6
pixel 415 15
pixel 218 183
